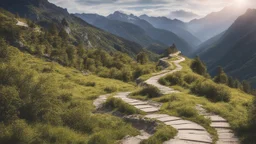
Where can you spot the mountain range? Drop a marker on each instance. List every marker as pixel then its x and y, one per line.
pixel 235 50
pixel 46 13
pixel 215 22
pixel 164 36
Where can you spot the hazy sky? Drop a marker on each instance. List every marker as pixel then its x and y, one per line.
pixel 181 9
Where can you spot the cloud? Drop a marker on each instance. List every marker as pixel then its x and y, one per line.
pixel 181 9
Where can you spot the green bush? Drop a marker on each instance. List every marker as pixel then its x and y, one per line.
pixel 110 89
pixel 149 91
pixel 190 78
pixel 162 134
pixel 99 138
pixel 212 91
pixel 121 106
pixel 198 66
pixel 186 111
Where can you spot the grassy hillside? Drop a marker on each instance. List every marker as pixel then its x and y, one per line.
pixel 44 102
pixel 45 14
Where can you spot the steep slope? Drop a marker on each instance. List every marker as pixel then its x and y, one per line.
pixel 123 29
pixel 214 23
pixel 236 49
pixel 176 26
pixel 164 36
pixel 45 13
pixel 207 44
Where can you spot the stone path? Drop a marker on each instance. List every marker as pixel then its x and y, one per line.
pixel 225 134
pixel 188 132
pixel 154 80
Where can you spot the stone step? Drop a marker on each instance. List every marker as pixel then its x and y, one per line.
pixel 156 116
pixel 143 106
pixel 150 110
pixel 188 127
pixel 138 103
pixel 177 141
pixel 226 135
pixel 216 118
pixel 223 130
pixel 195 138
pixel 178 122
pixel 198 132
pixel 220 125
pixel 169 118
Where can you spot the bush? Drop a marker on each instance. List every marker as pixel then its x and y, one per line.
pixel 67 97
pixel 174 79
pixel 162 134
pixel 186 111
pixel 212 91
pixel 190 78
pixel 98 138
pixel 121 106
pixel 198 66
pixel 149 91
pixel 110 89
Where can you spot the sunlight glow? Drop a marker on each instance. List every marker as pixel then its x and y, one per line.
pixel 241 2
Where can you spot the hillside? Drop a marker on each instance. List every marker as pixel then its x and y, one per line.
pixel 125 30
pixel 176 26
pixel 214 23
pixel 235 51
pixel 44 13
pixel 163 36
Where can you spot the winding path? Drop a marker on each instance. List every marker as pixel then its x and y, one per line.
pixel 188 132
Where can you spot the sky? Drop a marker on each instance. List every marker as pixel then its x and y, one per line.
pixel 185 10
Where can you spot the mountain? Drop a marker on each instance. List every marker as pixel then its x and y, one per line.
pixel 164 36
pixel 235 51
pixel 207 44
pixel 214 23
pixel 176 26
pixel 45 13
pixel 125 30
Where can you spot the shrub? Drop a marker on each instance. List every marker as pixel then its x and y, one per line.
pixel 121 106
pixel 190 78
pixel 110 89
pixel 162 134
pixel 198 66
pixel 98 138
pixel 174 79
pixel 149 91
pixel 66 97
pixel 186 111
pixel 212 91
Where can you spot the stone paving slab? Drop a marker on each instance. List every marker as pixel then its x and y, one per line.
pixel 150 110
pixel 178 122
pixel 138 103
pixel 198 132
pixel 216 118
pixel 143 106
pixel 177 141
pixel 226 136
pixel 169 118
pixel 221 130
pixel 196 138
pixel 188 127
pixel 156 116
pixel 220 125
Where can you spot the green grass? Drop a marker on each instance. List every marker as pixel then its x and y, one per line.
pixel 121 106
pixel 163 133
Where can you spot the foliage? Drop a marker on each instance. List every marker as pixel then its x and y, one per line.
pixel 121 106
pixel 221 76
pixel 163 133
pixel 150 91
pixel 213 92
pixel 142 58
pixel 198 66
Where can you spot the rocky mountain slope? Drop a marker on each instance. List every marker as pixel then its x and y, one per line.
pixel 235 50
pixel 176 26
pixel 45 13
pixel 164 36
pixel 125 30
pixel 214 23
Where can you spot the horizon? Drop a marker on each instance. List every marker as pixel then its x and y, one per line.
pixel 185 10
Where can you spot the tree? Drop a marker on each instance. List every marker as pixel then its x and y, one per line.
pixel 10 102
pixel 221 76
pixel 246 87
pixel 63 34
pixel 53 29
pixel 142 58
pixel 64 22
pixel 198 66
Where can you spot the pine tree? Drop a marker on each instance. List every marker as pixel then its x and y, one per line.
pixel 198 66
pixel 246 87
pixel 142 58
pixel 221 76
